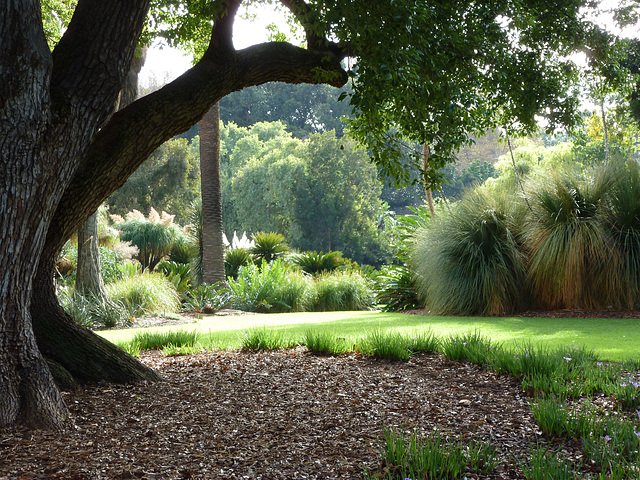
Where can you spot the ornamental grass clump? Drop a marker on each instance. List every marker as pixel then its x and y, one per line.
pixel 469 261
pixel 144 294
pixel 573 259
pixel 154 236
pixel 621 218
pixel 342 291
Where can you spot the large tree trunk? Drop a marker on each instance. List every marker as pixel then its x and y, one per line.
pixel 211 188
pixel 63 151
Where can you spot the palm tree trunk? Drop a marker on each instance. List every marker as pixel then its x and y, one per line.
pixel 212 246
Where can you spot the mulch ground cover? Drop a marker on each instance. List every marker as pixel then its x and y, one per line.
pixel 276 415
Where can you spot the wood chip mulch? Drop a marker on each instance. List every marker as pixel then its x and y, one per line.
pixel 275 415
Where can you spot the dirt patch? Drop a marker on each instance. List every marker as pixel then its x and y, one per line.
pixel 282 415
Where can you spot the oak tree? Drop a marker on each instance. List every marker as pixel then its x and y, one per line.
pixel 428 71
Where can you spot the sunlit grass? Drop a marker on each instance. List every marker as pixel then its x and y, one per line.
pixel 610 339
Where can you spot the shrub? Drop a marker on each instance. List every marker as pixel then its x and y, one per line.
pixel 234 258
pixel 469 261
pixel 396 289
pixel 206 298
pixel 342 291
pixel 268 246
pixel 145 294
pixel 177 273
pixel 184 249
pixel 270 288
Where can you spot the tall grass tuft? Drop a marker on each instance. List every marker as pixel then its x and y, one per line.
pixel 573 260
pixel 144 294
pixel 469 261
pixel 342 291
pixel 622 220
pixel 389 345
pixel 155 340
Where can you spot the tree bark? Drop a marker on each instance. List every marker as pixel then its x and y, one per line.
pixel 426 153
pixel 211 188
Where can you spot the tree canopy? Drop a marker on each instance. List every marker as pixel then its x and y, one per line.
pixel 430 72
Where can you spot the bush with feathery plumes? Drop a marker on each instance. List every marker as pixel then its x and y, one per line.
pixel 468 261
pixel 154 236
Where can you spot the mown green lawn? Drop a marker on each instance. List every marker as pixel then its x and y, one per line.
pixel 611 339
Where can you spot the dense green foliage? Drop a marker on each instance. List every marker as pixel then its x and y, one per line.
pixel 304 109
pixel 169 179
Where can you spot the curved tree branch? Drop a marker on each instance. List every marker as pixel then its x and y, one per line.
pixel 133 133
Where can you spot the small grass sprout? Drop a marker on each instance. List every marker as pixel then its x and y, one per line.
pixel 262 338
pixel 412 456
pixel 389 345
pixel 545 465
pixel 324 343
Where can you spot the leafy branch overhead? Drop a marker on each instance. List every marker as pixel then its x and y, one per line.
pixel 425 72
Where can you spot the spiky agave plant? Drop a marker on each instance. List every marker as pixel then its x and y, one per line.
pixel 268 246
pixel 468 261
pixel 573 262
